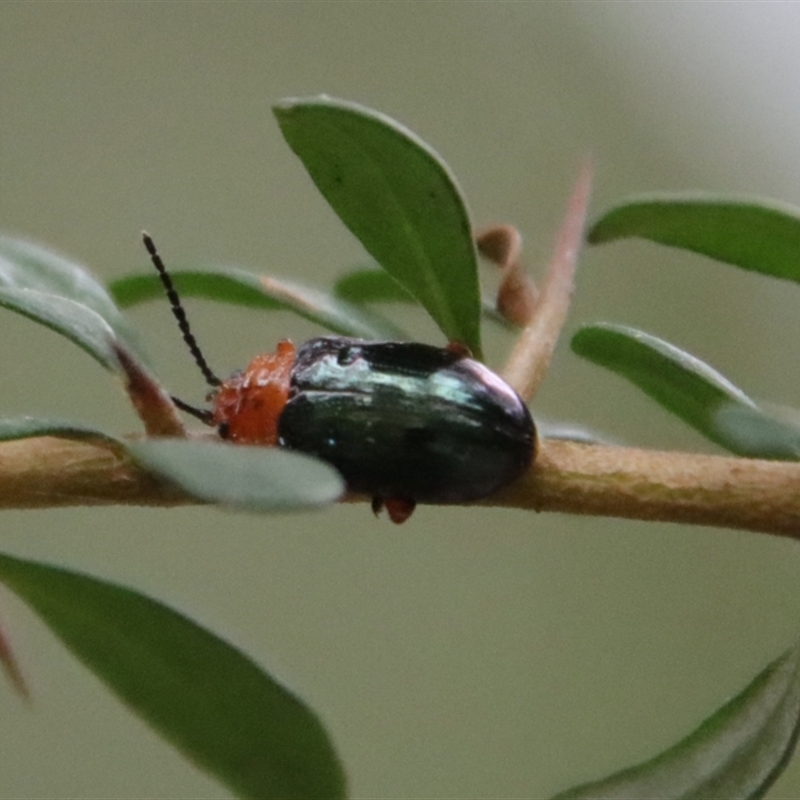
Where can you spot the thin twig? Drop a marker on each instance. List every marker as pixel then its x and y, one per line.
pixel 152 403
pixel 568 477
pixel 530 357
pixel 690 488
pixel 46 472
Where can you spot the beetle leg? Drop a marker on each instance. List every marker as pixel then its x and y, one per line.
pixel 399 509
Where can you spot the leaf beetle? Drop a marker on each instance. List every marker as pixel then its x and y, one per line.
pixel 402 422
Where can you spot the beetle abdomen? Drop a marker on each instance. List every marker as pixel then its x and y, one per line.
pixel 406 420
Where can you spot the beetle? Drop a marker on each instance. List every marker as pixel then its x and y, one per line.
pixel 403 422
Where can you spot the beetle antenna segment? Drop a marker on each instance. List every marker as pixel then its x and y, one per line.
pixel 183 324
pixel 203 414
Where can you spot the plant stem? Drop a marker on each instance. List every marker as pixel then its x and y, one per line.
pixel 690 488
pixel 530 358
pixel 567 477
pixel 46 472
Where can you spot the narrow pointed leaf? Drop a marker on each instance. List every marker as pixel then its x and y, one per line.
pixel 11 667
pixel 242 288
pixel 24 265
pixel 93 334
pixel 398 197
pixel 690 389
pixel 12 428
pixel 247 478
pixel 371 285
pixel 736 754
pixel 227 286
pixel 203 695
pixel 77 322
pixel 752 233
pixel 570 432
pixel 528 362
pixel 376 286
pixel 752 430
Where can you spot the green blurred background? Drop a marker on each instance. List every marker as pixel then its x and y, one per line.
pixel 470 653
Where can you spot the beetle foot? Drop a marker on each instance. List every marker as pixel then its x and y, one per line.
pixel 399 509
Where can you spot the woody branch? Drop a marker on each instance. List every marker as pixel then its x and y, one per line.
pixel 568 477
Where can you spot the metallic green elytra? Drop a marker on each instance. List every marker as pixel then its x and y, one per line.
pixel 406 422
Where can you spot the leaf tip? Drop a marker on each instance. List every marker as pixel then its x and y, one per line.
pixel 12 668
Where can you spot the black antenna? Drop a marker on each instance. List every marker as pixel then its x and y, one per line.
pixel 183 324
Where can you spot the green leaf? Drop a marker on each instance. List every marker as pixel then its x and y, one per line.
pixel 26 427
pixel 24 265
pixel 751 233
pixel 239 476
pixel 376 286
pixel 569 431
pixel 64 297
pixel 75 321
pixel 736 753
pixel 207 698
pixel 398 198
pixel 371 286
pixel 690 389
pixel 242 288
pixel 751 430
